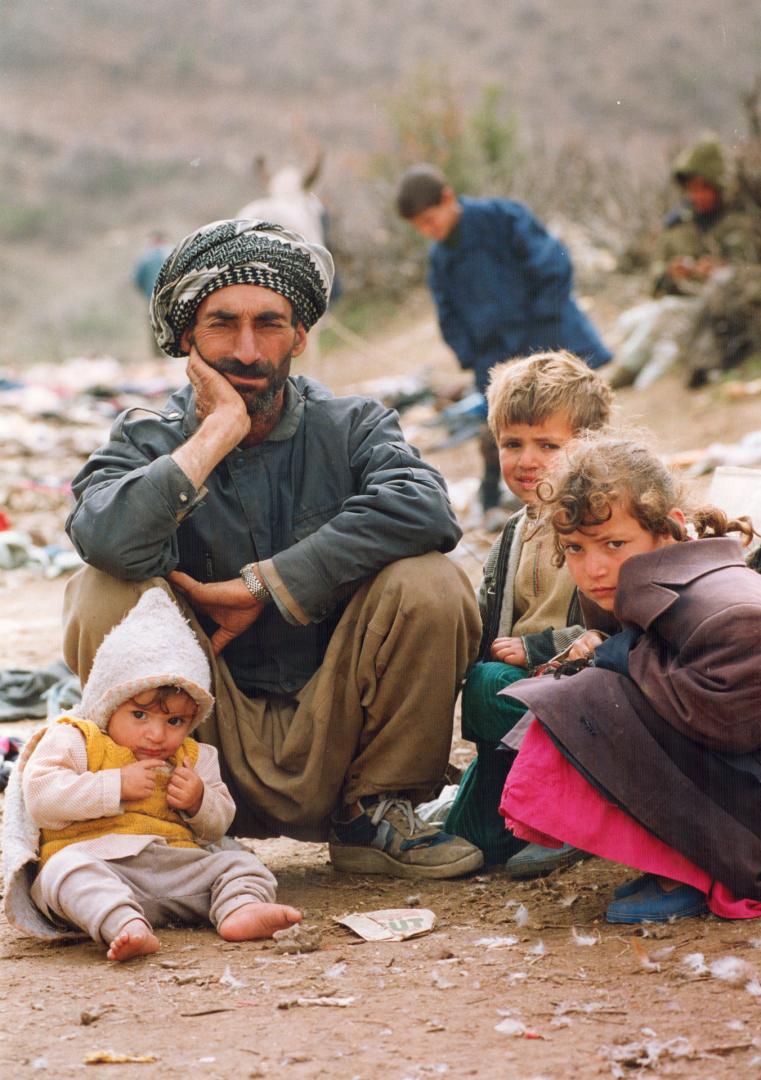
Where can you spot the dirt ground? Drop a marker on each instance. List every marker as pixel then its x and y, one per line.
pixel 573 996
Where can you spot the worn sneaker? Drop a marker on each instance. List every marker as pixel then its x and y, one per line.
pixel 535 860
pixel 389 839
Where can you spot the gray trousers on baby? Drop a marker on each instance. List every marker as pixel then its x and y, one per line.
pixel 160 884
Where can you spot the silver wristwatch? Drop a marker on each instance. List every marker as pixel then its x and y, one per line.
pixel 254 585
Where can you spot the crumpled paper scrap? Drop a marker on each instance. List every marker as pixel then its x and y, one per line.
pixel 390 924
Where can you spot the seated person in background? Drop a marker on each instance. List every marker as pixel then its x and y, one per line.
pixel 503 286
pixel 651 756
pixel 304 540
pixel 529 607
pixel 708 231
pixel 127 809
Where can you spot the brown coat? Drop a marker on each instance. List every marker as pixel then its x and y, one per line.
pixel 646 741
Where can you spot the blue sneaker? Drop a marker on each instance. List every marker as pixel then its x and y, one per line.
pixel 652 903
pixel 536 861
pixel 626 888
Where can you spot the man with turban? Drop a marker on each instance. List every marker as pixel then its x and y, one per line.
pixel 303 539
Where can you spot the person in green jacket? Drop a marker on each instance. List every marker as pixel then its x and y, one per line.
pixel 707 241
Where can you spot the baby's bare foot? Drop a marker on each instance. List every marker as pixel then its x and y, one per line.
pixel 134 939
pixel 254 921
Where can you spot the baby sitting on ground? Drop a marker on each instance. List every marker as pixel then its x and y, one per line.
pixel 114 815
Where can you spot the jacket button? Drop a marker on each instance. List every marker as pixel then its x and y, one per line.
pixel 183 497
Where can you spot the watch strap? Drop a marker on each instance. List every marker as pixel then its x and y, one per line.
pixel 254 585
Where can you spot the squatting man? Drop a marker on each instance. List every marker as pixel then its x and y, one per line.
pixel 304 540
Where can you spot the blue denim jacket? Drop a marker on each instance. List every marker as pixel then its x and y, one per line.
pixel 503 287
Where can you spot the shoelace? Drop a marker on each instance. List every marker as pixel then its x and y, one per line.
pixel 404 806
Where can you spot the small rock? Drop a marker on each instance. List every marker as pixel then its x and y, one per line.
pixel 299 938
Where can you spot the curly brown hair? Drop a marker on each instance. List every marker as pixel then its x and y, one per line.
pixel 602 470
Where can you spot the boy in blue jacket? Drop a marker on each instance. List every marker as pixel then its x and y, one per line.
pixel 503 286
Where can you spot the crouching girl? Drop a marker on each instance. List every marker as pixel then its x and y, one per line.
pixel 650 756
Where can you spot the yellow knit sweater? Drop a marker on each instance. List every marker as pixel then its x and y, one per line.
pixel 145 817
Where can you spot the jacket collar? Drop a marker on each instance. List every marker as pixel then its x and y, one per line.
pixel 643 586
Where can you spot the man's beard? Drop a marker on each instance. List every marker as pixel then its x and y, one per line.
pixel 259 403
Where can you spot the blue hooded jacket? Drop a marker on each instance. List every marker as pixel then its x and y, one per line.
pixel 503 287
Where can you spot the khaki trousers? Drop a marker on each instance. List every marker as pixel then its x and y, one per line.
pixel 375 717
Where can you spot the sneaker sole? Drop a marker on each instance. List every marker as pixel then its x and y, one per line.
pixel 365 860
pixel 633 919
pixel 536 869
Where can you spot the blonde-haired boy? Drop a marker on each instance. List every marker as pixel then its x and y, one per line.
pixel 529 606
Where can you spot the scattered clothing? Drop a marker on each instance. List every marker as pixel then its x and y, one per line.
pixel 28 694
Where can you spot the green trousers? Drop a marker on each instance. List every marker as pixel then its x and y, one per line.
pixel 486 718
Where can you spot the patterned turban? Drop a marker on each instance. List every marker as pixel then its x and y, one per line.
pixel 239 252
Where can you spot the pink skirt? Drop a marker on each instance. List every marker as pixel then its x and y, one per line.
pixel 546 801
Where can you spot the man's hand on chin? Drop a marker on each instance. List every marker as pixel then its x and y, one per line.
pixel 223 418
pixel 229 603
pixel 216 396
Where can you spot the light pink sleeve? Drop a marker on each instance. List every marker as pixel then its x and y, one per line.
pixel 217 807
pixel 57 787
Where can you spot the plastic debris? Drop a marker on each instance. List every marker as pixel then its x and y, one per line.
pixel 731 969
pixel 228 979
pixel 91 1016
pixel 510 1027
pixel 390 924
pixel 521 916
pixel 498 942
pixel 695 963
pixel 441 981
pixel 584 939
pixel 646 1054
pixel 517 1029
pixel 435 811
pixel 110 1057
pixel 326 1002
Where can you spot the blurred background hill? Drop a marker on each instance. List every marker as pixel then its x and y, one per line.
pixel 120 118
